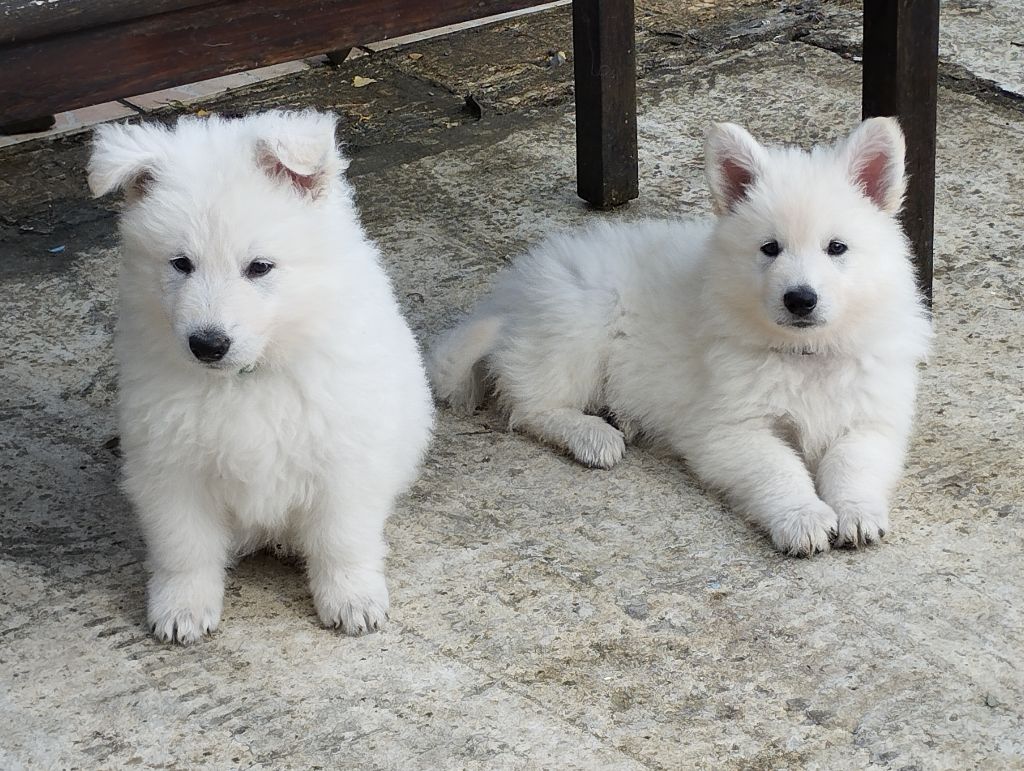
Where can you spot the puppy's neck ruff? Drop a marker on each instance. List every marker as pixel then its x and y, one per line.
pixel 795 350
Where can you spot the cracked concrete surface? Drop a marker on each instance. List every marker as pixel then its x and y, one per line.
pixel 544 615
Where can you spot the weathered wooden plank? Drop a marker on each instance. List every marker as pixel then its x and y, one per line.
pixel 48 75
pixel 901 45
pixel 22 20
pixel 605 68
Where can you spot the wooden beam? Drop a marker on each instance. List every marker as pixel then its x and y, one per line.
pixel 78 68
pixel 605 68
pixel 901 54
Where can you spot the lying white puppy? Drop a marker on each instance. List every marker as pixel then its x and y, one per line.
pixel 271 392
pixel 774 347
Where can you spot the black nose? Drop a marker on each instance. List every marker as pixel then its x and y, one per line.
pixel 800 301
pixel 209 344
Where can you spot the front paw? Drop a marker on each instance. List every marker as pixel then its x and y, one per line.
pixel 861 523
pixel 804 530
pixel 354 601
pixel 183 607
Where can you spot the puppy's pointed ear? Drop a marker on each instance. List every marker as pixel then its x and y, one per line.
pixel 124 157
pixel 874 157
pixel 733 160
pixel 299 149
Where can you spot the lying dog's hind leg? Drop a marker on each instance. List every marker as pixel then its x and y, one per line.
pixel 590 439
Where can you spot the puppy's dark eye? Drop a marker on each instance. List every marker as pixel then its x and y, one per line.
pixel 836 248
pixel 183 265
pixel 258 268
pixel 771 249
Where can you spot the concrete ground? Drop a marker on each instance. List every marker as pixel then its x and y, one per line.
pixel 544 615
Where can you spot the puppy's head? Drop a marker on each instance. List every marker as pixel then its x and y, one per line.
pixel 227 228
pixel 807 244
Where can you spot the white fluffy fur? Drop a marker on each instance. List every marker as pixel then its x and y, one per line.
pixel 318 415
pixel 679 331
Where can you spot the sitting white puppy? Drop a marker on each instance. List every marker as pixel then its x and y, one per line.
pixel 271 392
pixel 774 347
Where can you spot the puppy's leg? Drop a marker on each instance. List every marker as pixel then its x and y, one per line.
pixel 591 440
pixel 767 481
pixel 552 365
pixel 188 552
pixel 343 541
pixel 855 477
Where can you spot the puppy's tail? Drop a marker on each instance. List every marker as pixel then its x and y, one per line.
pixel 454 359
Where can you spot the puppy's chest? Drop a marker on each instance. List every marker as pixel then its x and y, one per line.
pixel 262 454
pixel 818 394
